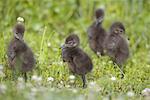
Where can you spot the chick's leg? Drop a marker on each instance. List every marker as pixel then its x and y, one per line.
pixel 25 76
pixel 84 81
pixel 122 71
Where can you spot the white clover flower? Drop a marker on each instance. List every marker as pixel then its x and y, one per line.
pixel 146 92
pixel 2 88
pixel 98 53
pixel 74 90
pixel 20 79
pixel 36 78
pixel 49 44
pixel 110 62
pixel 113 78
pixel 61 82
pixel 1 67
pixel 67 86
pixel 20 19
pixel 92 84
pixel 130 94
pixel 72 81
pixel 72 77
pixel 60 63
pixel 50 79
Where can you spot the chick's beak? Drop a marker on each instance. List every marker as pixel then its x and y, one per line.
pixel 18 36
pixel 99 20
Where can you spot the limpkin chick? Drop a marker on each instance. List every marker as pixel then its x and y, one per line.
pixel 96 33
pixel 20 56
pixel 78 61
pixel 116 45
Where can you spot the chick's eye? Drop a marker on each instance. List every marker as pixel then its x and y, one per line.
pixel 121 31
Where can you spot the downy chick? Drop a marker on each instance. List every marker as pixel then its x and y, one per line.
pixel 96 33
pixel 116 45
pixel 20 56
pixel 78 61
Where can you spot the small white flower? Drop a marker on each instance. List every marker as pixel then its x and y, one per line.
pixel 113 78
pixel 98 53
pixel 130 94
pixel 110 62
pixel 36 78
pixel 72 77
pixel 61 82
pixel 67 86
pixel 92 84
pixel 2 88
pixel 49 44
pixel 1 67
pixel 72 81
pixel 146 92
pixel 74 90
pixel 50 79
pixel 20 79
pixel 60 63
pixel 20 19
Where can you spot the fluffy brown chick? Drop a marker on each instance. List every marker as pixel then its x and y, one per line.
pixel 96 33
pixel 20 56
pixel 78 61
pixel 116 45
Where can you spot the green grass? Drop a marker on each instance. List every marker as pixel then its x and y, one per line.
pixel 50 22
